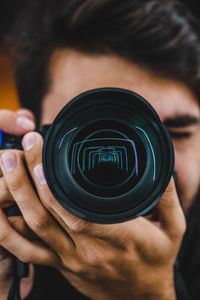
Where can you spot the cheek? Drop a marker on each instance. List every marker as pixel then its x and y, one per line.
pixel 187 166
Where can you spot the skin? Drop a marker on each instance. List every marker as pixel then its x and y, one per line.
pixel 132 260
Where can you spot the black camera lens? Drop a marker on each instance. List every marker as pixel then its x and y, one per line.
pixel 107 156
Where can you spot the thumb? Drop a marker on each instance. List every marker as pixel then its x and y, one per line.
pixel 169 211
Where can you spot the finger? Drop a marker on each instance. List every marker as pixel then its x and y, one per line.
pixel 1 173
pixel 13 123
pixel 35 214
pixel 1 152
pixel 27 251
pixel 26 113
pixel 6 198
pixel 21 227
pixel 169 211
pixel 32 144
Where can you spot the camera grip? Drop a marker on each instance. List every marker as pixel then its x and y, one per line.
pixel 10 141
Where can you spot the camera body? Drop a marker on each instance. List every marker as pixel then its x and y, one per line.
pixel 107 157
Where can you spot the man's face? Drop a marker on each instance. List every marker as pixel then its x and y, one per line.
pixel 72 72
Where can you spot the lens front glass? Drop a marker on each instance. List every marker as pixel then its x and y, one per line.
pixel 107 158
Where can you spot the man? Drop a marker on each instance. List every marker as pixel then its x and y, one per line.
pixel 64 48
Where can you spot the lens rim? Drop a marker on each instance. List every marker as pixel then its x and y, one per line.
pixel 82 102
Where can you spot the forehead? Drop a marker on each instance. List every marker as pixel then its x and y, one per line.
pixel 72 72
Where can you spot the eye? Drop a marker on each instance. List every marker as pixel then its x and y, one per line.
pixel 180 135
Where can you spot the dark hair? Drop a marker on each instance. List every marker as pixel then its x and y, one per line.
pixel 8 11
pixel 159 34
pixel 193 6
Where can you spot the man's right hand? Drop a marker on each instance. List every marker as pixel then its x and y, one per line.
pixel 17 123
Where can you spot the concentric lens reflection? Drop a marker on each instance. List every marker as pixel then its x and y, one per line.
pixel 107 158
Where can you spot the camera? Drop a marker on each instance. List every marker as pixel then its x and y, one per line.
pixel 107 157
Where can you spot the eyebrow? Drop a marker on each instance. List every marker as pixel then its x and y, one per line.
pixel 181 121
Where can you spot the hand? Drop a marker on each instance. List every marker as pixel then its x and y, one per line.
pixel 18 123
pixel 132 260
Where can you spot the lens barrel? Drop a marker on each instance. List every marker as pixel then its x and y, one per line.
pixel 107 157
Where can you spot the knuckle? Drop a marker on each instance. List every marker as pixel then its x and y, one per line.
pixel 25 112
pixel 32 159
pixel 127 245
pixel 177 234
pixel 78 225
pixel 77 268
pixel 97 258
pixel 49 202
pixel 3 186
pixel 40 224
pixel 182 228
pixel 5 196
pixel 16 184
pixel 26 258
pixel 3 236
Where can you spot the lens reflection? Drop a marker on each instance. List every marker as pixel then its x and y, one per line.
pixel 106 162
pixel 106 155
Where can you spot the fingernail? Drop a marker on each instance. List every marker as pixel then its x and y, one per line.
pixel 8 161
pixel 25 123
pixel 28 141
pixel 39 175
